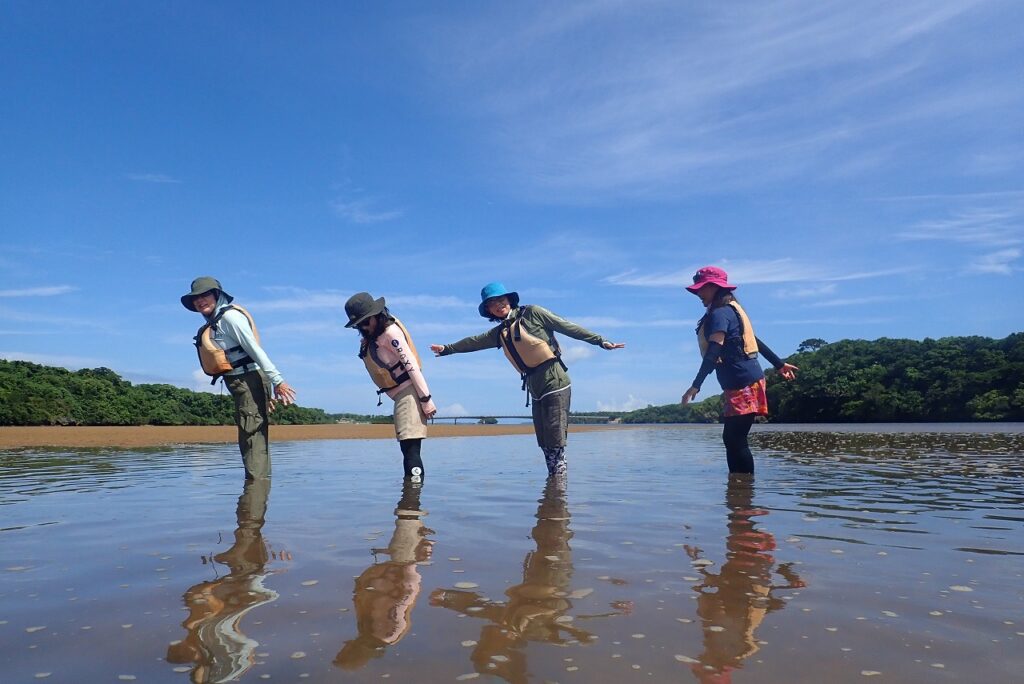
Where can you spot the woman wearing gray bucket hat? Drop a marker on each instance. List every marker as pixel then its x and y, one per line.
pixel 391 359
pixel 229 347
pixel 527 336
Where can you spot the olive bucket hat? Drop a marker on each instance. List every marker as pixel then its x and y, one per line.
pixel 202 285
pixel 361 306
pixel 492 290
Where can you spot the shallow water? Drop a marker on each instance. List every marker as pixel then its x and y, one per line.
pixel 875 551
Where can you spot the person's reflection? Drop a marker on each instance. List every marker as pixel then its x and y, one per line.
pixel 386 592
pixel 215 642
pixel 536 608
pixel 733 602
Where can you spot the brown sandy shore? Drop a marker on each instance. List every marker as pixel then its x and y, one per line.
pixel 152 435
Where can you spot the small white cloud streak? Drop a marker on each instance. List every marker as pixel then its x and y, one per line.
pixel 990 227
pixel 49 291
pixel 750 273
pixel 362 211
pixel 806 292
pixel 576 352
pixel 151 178
pixel 630 404
pixel 296 298
pixel 852 301
pixel 998 263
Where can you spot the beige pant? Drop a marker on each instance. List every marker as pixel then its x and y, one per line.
pixel 410 423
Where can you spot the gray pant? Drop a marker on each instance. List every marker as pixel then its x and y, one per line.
pixel 251 392
pixel 551 419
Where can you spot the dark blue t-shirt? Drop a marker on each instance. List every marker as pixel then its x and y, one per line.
pixel 735 370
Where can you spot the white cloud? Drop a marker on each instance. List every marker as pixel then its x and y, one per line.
pixel 999 263
pixel 630 404
pixel 49 291
pixel 806 291
pixel 714 92
pixel 452 411
pixel 363 211
pixel 151 178
pixel 852 301
pixel 785 270
pixel 576 352
pixel 201 382
pixel 991 227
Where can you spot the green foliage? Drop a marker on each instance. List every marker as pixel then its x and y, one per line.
pixel 31 394
pixel 488 420
pixel 706 411
pixel 950 379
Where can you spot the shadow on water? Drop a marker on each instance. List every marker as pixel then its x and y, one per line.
pixel 537 609
pixel 733 602
pixel 216 643
pixel 386 592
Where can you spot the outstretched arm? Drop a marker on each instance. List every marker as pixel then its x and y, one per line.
pixel 485 340
pixel 570 329
pixel 786 370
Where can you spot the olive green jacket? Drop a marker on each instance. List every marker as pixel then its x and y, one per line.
pixel 540 323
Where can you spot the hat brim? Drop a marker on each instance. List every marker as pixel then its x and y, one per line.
pixel 186 300
pixel 513 300
pixel 378 306
pixel 696 287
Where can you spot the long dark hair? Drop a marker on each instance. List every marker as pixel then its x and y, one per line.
pixel 384 319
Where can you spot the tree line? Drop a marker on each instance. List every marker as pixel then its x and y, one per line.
pixel 951 379
pixel 32 394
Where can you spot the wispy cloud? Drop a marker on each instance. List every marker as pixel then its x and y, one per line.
pixel 50 291
pixel 992 227
pixel 714 92
pixel 151 178
pixel 1000 263
pixel 852 301
pixel 751 273
pixel 289 298
pixel 353 205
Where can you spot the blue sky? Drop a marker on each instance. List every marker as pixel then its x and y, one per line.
pixel 856 167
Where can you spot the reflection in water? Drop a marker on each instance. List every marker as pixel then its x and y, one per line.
pixel 386 592
pixel 215 642
pixel 537 608
pixel 732 603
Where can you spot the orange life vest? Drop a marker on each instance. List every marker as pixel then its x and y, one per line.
pixel 746 329
pixel 212 358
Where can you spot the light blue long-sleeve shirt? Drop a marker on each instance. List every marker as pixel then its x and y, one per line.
pixel 233 330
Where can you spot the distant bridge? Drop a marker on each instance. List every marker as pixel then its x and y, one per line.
pixel 476 419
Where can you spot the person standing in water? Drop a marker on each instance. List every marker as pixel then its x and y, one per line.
pixel 527 336
pixel 390 357
pixel 729 347
pixel 229 347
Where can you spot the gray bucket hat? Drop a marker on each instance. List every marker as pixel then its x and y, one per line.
pixel 202 285
pixel 361 306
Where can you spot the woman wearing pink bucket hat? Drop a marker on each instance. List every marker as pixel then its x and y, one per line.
pixel 729 347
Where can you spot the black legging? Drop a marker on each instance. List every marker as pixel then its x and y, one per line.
pixel 734 434
pixel 411 455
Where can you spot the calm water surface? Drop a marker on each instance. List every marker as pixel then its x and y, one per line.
pixel 879 552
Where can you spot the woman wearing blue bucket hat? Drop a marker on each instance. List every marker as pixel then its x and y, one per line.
pixel 526 334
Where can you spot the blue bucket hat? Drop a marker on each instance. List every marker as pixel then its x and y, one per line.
pixel 492 290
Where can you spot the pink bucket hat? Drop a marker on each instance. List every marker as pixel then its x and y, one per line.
pixel 710 275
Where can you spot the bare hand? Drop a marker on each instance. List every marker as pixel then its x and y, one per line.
pixel 437 349
pixel 788 371
pixel 284 394
pixel 613 345
pixel 429 409
pixel 690 395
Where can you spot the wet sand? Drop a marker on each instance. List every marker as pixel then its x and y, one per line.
pixel 154 435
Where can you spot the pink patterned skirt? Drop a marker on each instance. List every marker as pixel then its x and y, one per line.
pixel 746 400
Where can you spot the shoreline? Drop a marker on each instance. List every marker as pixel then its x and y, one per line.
pixel 164 435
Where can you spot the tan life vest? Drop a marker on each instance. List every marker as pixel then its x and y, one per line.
pixel 387 377
pixel 212 358
pixel 746 329
pixel 525 352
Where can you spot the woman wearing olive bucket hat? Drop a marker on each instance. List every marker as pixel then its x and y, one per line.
pixel 730 348
pixel 527 336
pixel 229 347
pixel 390 357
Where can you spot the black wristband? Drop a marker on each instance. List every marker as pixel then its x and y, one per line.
pixel 426 398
